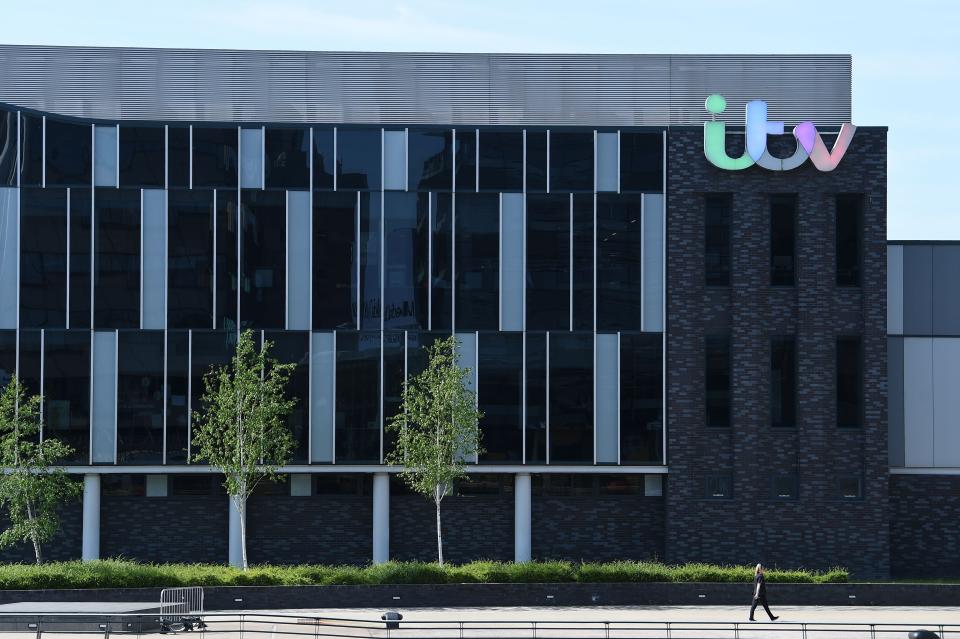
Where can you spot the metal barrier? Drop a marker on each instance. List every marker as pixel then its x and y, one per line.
pixel 292 626
pixel 181 609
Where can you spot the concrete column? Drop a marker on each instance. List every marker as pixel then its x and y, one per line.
pixel 235 551
pixel 91 518
pixel 381 518
pixel 521 518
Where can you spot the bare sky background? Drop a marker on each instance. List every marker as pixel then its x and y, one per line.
pixel 906 55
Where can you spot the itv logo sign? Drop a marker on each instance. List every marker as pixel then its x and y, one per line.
pixel 809 143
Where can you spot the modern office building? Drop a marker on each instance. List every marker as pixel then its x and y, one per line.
pixel 678 355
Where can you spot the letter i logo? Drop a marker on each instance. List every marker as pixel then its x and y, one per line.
pixel 715 139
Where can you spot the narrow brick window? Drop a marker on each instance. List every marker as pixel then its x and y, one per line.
pixel 849 229
pixel 783 240
pixel 783 382
pixel 717 380
pixel 849 382
pixel 850 487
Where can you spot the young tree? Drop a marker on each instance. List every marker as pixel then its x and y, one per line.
pixel 437 427
pixel 241 430
pixel 31 489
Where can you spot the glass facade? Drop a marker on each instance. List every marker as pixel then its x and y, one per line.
pixel 405 244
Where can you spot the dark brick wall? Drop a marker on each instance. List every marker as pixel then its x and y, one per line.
pixel 597 528
pixel 67 544
pixel 310 530
pixel 475 527
pixel 189 528
pixel 816 530
pixel 925 526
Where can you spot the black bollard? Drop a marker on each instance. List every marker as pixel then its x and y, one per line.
pixel 923 634
pixel 393 620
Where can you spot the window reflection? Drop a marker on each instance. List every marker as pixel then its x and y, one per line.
pixel 142 156
pixel 140 397
pixel 43 258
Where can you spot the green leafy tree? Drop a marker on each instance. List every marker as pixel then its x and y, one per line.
pixel 241 430
pixel 31 489
pixel 437 427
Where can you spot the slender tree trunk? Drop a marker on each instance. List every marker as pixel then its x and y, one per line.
pixel 33 535
pixel 439 535
pixel 242 509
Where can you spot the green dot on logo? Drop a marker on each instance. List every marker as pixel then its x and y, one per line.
pixel 716 103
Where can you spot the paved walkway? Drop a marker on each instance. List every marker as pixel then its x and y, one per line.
pixel 601 622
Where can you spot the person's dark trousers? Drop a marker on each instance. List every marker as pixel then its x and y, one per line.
pixel 761 601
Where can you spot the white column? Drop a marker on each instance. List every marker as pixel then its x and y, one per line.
pixel 91 518
pixel 521 518
pixel 235 551
pixel 381 518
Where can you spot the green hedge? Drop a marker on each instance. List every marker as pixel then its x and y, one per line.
pixel 128 574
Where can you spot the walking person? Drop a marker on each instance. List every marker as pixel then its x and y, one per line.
pixel 760 593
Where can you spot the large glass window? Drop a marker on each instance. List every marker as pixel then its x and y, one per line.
pixel 263 259
pixel 536 156
pixel 29 366
pixel 8 356
pixel 323 162
pixel 116 267
pixel 215 153
pixel 228 278
pixel 717 381
pixel 641 161
pixel 81 229
pixel 717 240
pixel 210 349
pixel 66 390
pixel 140 397
pixel 69 153
pixel 582 262
pixel 43 258
pixel 178 395
pixel 430 159
pixel 571 397
pixel 571 160
pixel 142 155
pixel 641 398
pixel 334 260
pixel 8 147
pixel 406 264
pixel 500 396
pixel 466 160
pixel 477 237
pixel 358 397
pixel 548 262
pixel 394 370
pixel 370 256
pixel 619 261
pixel 783 240
pixel 288 159
pixel 190 259
pixel 359 159
pixel 501 160
pixel 849 228
pixel 31 150
pixel 783 382
pixel 293 347
pixel 849 382
pixel 441 279
pixel 536 397
pixel 178 156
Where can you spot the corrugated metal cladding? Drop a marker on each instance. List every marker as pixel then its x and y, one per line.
pixel 435 88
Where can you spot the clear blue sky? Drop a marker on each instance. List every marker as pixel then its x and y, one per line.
pixel 906 55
